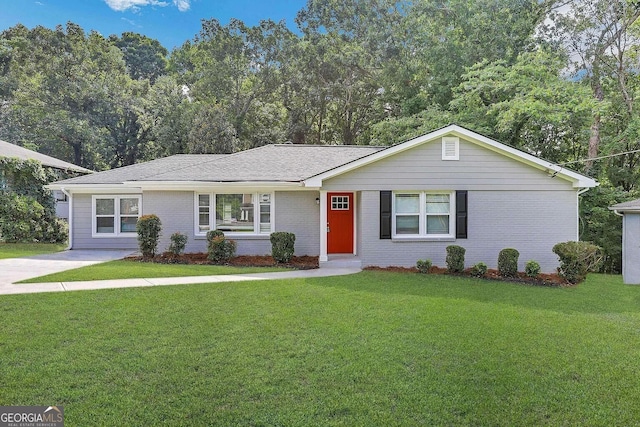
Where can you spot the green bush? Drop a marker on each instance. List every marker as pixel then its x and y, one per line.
pixel 577 259
pixel 213 234
pixel 178 243
pixel 479 270
pixel 423 265
pixel 24 219
pixel 508 262
pixel 532 268
pixel 455 259
pixel 220 249
pixel 149 229
pixel 282 246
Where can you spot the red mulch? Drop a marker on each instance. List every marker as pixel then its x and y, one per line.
pixel 539 280
pixel 297 262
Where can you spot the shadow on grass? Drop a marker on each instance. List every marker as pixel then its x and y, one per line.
pixel 598 294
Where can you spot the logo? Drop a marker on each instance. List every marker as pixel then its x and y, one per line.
pixel 31 416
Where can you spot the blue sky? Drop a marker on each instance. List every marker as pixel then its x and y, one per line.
pixel 171 22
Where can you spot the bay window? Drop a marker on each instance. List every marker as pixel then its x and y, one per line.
pixel 115 215
pixel 235 213
pixel 423 214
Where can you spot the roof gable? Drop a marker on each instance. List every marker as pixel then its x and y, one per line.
pixel 630 206
pixel 578 180
pixel 8 149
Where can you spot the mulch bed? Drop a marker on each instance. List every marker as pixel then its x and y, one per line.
pixel 297 262
pixel 540 280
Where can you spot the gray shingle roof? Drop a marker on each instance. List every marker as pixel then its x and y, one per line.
pixel 270 163
pixel 632 205
pixel 11 150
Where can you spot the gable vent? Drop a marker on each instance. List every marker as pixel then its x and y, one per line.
pixel 450 148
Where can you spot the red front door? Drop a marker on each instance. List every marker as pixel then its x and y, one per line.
pixel 340 223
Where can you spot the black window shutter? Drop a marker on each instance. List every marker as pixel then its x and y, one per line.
pixel 385 214
pixel 461 214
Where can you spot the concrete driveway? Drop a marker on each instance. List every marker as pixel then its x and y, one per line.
pixel 15 269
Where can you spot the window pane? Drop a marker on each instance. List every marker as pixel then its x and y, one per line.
pixel 407 224
pixel 128 224
pixel 407 203
pixel 129 206
pixel 234 212
pixel 438 224
pixel 105 207
pixel 104 225
pixel 437 203
pixel 203 200
pixel 265 214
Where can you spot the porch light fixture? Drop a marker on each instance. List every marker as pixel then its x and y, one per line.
pixel 317 200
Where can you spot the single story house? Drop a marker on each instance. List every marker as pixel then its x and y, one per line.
pixel 630 212
pixel 384 206
pixel 62 203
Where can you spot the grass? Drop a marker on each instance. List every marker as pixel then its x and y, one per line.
pixel 375 349
pixel 124 269
pixel 17 250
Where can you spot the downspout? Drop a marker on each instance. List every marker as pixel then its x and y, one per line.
pixel 70 222
pixel 581 191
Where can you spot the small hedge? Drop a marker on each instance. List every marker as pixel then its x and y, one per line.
pixel 423 265
pixel 149 229
pixel 455 259
pixel 532 269
pixel 577 259
pixel 178 243
pixel 508 262
pixel 479 270
pixel 282 246
pixel 220 249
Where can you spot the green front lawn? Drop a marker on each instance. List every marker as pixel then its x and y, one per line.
pixel 17 250
pixel 124 269
pixel 375 348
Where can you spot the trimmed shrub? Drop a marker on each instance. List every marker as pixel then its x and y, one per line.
pixel 178 243
pixel 455 258
pixel 508 262
pixel 221 250
pixel 479 270
pixel 423 265
pixel 282 246
pixel 577 259
pixel 532 268
pixel 149 229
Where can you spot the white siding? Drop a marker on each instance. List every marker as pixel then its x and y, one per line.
pixel 631 248
pixel 531 223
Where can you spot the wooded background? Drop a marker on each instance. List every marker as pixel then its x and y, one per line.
pixel 557 79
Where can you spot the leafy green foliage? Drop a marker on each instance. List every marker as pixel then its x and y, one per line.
pixel 220 249
pixel 532 268
pixel 282 246
pixel 508 262
pixel 577 259
pixel 423 265
pixel 149 228
pixel 479 269
pixel 178 243
pixel 455 259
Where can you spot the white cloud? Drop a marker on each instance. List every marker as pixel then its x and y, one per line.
pixel 122 5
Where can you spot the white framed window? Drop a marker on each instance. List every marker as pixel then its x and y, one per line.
pixel 234 213
pixel 428 214
pixel 115 216
pixel 450 148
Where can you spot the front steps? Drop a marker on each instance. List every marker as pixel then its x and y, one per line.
pixel 342 261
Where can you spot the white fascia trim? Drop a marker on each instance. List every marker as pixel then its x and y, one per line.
pixel 578 180
pixel 95 188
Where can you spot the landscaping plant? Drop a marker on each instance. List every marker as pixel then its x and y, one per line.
pixel 178 243
pixel 220 249
pixel 508 262
pixel 149 229
pixel 532 268
pixel 479 270
pixel 577 259
pixel 455 259
pixel 282 246
pixel 423 265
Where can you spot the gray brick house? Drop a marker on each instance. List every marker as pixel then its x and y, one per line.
pixel 368 205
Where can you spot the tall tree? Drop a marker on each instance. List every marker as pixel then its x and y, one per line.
pixel 145 57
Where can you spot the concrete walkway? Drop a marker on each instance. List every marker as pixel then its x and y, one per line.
pixel 16 269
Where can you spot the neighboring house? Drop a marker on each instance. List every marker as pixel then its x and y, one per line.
pixel 369 205
pixel 630 212
pixel 62 204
